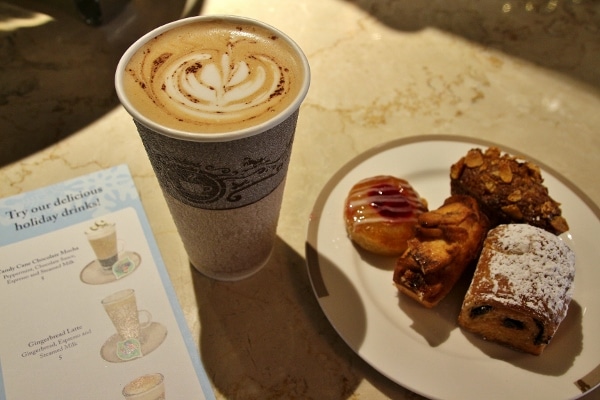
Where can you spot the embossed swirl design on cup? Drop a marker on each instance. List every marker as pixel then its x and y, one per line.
pixel 213 77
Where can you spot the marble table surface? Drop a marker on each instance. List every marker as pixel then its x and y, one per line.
pixel 523 74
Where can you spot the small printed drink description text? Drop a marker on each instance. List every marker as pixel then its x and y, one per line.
pixel 38 267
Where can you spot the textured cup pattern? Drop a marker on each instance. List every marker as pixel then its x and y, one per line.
pixel 221 175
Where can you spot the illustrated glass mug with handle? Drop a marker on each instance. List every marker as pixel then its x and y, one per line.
pixel 122 310
pixel 102 236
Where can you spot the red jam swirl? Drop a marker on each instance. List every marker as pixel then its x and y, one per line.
pixel 383 199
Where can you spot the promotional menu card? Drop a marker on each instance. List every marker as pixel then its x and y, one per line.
pixel 87 309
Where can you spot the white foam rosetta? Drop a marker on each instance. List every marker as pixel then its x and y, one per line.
pixel 209 85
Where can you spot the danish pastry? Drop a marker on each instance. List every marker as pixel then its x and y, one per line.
pixel 446 242
pixel 380 213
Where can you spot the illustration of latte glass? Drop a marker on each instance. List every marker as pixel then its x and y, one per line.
pixel 215 100
pixel 145 387
pixel 122 310
pixel 102 236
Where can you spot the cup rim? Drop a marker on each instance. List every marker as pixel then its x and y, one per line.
pixel 161 379
pixel 118 296
pixel 200 136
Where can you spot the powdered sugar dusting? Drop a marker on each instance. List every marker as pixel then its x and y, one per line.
pixel 530 267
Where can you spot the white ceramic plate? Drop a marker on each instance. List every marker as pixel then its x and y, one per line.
pixel 425 350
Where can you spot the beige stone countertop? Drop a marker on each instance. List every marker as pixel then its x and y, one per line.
pixel 522 74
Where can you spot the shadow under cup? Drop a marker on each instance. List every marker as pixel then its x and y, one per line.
pixel 224 190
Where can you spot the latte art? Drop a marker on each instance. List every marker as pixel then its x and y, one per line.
pixel 213 77
pixel 210 86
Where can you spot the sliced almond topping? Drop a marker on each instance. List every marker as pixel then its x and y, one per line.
pixel 515 196
pixel 505 173
pixel 513 211
pixel 473 158
pixel 456 169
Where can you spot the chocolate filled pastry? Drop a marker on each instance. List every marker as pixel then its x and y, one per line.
pixel 380 213
pixel 446 242
pixel 508 190
pixel 521 288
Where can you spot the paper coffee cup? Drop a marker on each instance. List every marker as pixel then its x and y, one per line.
pixel 215 100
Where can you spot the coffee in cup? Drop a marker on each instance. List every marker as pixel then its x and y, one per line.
pixel 213 75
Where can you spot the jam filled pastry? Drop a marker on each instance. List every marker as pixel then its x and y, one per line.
pixel 521 288
pixel 508 190
pixel 380 213
pixel 446 242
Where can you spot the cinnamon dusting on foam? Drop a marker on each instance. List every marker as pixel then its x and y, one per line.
pixel 213 77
